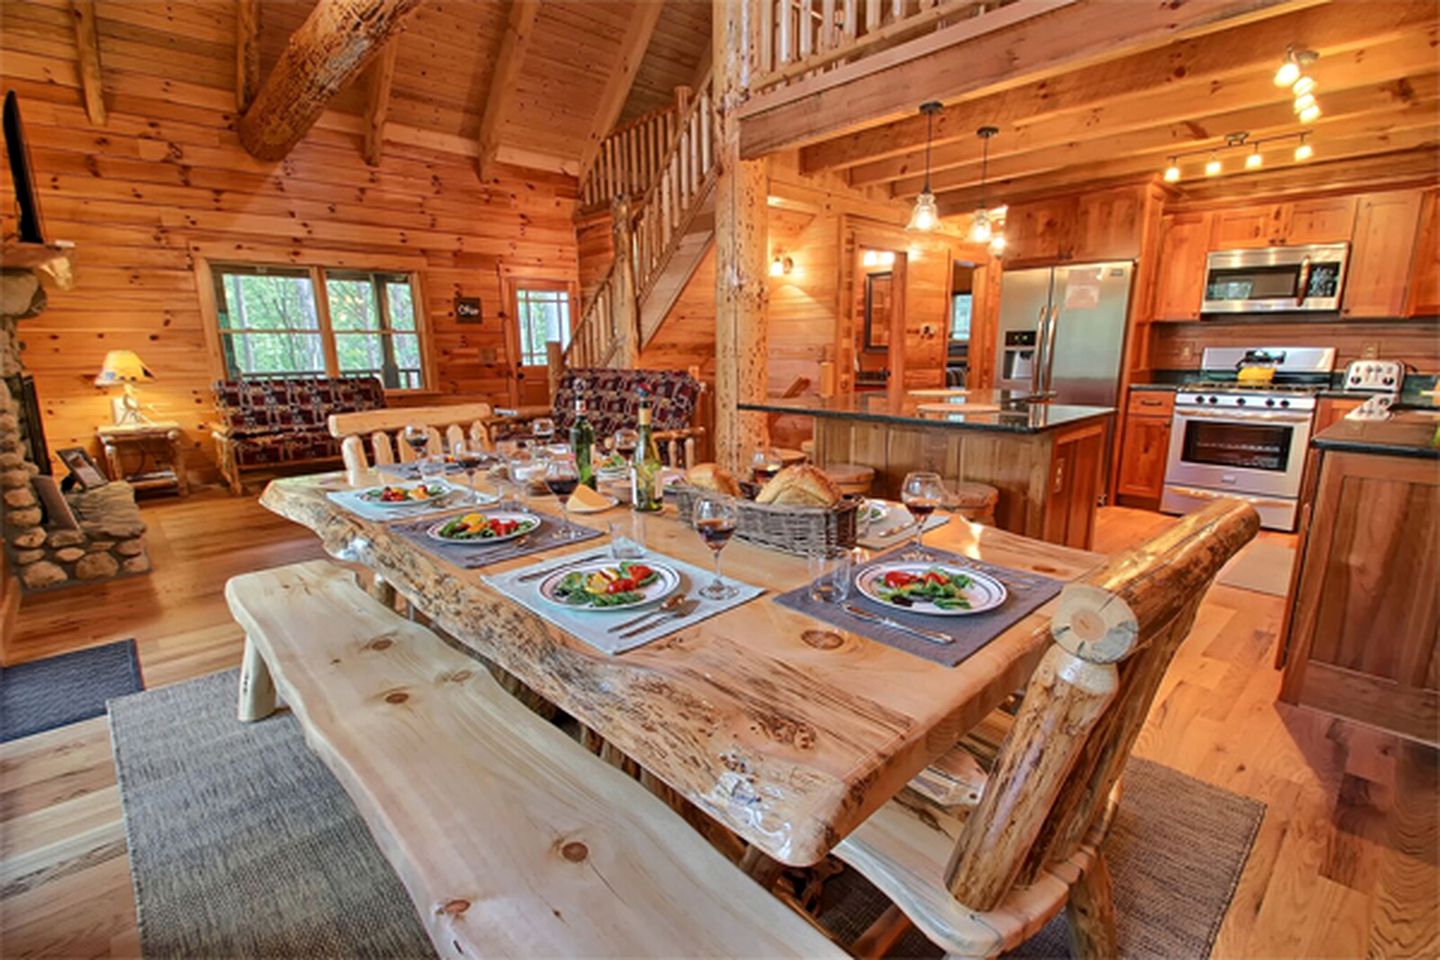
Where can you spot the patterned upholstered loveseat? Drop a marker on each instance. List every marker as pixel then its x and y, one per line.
pixel 266 423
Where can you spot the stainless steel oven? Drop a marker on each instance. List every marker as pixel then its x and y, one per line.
pixel 1275 279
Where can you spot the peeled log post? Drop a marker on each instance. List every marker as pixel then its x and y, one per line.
pixel 336 42
pixel 624 347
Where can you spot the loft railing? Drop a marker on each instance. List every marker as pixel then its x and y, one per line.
pixel 802 37
pixel 595 336
pixel 629 157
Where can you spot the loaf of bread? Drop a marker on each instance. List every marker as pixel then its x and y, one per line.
pixel 801 485
pixel 712 476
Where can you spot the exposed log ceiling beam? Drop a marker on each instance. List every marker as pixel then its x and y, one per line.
pixel 247 52
pixel 335 43
pixel 1353 145
pixel 518 31
pixel 1213 109
pixel 638 31
pixel 1385 170
pixel 1194 64
pixel 87 44
pixel 1401 101
pixel 382 75
pixel 1087 31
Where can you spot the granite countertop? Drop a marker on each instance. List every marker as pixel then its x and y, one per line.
pixel 998 410
pixel 1409 433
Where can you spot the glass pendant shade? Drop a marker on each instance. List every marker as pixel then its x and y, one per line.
pixel 997 244
pixel 980 227
pixel 926 215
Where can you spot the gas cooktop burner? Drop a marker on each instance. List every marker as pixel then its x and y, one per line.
pixel 1233 386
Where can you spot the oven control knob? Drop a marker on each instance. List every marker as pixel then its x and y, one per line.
pixel 1270 401
pixel 1388 381
pixel 1214 399
pixel 1239 401
pixel 1284 403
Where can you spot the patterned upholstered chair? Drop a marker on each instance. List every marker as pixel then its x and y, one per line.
pixel 273 422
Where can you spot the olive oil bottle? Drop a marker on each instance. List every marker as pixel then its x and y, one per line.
pixel 645 468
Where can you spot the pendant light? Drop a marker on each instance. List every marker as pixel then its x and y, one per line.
pixel 981 229
pixel 926 216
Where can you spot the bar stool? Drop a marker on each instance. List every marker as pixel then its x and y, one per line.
pixel 975 501
pixel 851 477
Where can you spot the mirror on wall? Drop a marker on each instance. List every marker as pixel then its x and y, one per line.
pixel 962 305
pixel 877 333
pixel 879 295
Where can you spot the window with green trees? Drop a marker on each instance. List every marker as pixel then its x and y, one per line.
pixel 544 316
pixel 317 321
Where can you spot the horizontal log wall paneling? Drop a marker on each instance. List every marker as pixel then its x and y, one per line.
pixel 166 182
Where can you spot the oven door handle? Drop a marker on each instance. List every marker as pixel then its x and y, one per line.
pixel 1242 417
pixel 1199 494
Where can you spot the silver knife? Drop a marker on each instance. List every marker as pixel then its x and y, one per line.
pixel 933 636
pixel 679 613
pixel 546 571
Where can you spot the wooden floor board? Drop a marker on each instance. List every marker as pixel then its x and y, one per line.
pixel 1345 861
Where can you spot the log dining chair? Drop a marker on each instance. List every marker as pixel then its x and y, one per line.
pixel 448 425
pixel 1019 837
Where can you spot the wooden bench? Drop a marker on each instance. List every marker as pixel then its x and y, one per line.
pixel 511 838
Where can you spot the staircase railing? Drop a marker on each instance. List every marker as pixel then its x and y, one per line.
pixel 629 158
pixel 801 37
pixel 595 337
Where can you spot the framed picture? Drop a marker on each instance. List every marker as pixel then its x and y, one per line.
pixel 82 468
pixel 57 509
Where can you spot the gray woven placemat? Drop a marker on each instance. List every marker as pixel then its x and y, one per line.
pixel 1027 591
pixel 550 535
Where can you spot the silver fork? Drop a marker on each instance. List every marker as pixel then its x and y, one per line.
pixel 679 613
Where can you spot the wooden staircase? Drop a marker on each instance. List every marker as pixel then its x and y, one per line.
pixel 661 237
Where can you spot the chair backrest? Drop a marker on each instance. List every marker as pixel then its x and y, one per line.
pixel 1114 635
pixel 448 425
pixel 612 398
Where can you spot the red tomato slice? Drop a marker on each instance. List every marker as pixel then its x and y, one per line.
pixel 896 579
pixel 933 577
pixel 623 585
pixel 639 571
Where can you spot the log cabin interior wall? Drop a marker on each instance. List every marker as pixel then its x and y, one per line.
pixel 166 181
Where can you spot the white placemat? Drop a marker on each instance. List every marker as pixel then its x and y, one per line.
pixel 866 537
pixel 351 500
pixel 592 626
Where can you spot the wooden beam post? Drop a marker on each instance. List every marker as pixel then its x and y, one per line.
pixel 247 52
pixel 741 281
pixel 336 42
pixel 508 62
pixel 617 88
pixel 87 44
pixel 625 307
pixel 382 74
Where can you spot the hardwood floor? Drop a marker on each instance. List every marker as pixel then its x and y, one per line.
pixel 1345 864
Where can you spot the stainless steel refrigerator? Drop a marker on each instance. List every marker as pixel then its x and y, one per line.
pixel 1062 331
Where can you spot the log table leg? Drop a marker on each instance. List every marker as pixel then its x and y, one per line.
pixel 1090 913
pixel 761 867
pixel 257 689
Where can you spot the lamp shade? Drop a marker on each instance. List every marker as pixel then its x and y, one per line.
pixel 122 366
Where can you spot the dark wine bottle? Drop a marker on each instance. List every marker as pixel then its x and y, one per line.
pixel 582 439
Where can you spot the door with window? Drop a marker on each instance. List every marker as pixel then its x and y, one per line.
pixel 542 314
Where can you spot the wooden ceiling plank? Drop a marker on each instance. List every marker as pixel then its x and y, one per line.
pixel 1343 109
pixel 87 45
pixel 1331 30
pixel 247 52
pixel 382 75
pixel 1372 65
pixel 519 29
pixel 638 31
pixel 337 40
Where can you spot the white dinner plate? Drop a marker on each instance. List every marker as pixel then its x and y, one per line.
pixel 665 584
pixel 984 592
pixel 372 495
pixel 529 523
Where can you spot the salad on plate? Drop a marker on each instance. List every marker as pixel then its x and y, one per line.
pixel 402 494
pixel 931 588
pixel 609 585
pixel 485 527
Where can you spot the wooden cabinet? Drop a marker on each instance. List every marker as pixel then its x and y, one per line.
pixel 1100 225
pixel 1180 270
pixel 1382 252
pixel 1145 445
pixel 1039 231
pixel 1331 409
pixel 1322 220
pixel 1424 297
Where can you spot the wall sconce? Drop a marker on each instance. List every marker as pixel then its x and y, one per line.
pixel 878 258
pixel 781 266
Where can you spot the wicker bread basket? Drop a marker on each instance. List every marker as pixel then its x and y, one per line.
pixel 780 526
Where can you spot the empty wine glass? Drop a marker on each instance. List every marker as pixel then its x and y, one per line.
pixel 469 455
pixel 544 429
pixel 562 477
pixel 715 519
pixel 922 493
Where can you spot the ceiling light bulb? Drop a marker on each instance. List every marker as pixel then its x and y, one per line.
pixel 1254 161
pixel 777 267
pixel 980 228
pixel 869 260
pixel 1304 102
pixel 1310 114
pixel 1172 172
pixel 1304 151
pixel 997 244
pixel 926 216
pixel 1303 86
pixel 1288 73
pixel 1212 167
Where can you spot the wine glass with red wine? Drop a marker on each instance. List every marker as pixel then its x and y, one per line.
pixel 715 519
pixel 922 493
pixel 417 437
pixel 470 455
pixel 765 462
pixel 561 479
pixel 626 440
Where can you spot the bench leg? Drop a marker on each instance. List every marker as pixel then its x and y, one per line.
pixel 1091 913
pixel 257 688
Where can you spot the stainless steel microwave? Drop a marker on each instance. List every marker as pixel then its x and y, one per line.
pixel 1272 279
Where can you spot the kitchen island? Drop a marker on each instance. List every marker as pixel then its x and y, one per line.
pixel 1363 627
pixel 1046 459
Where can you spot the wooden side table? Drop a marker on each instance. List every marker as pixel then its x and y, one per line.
pixel 164 441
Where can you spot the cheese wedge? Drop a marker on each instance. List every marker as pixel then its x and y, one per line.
pixel 586 500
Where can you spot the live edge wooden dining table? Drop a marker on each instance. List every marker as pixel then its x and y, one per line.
pixel 784 729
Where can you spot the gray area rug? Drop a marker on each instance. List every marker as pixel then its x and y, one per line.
pixel 44 694
pixel 243 845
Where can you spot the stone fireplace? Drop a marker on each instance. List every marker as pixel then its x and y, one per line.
pixel 107 539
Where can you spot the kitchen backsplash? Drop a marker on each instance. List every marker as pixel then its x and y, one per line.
pixel 1416 342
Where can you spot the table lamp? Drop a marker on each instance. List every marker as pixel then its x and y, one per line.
pixel 124 367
